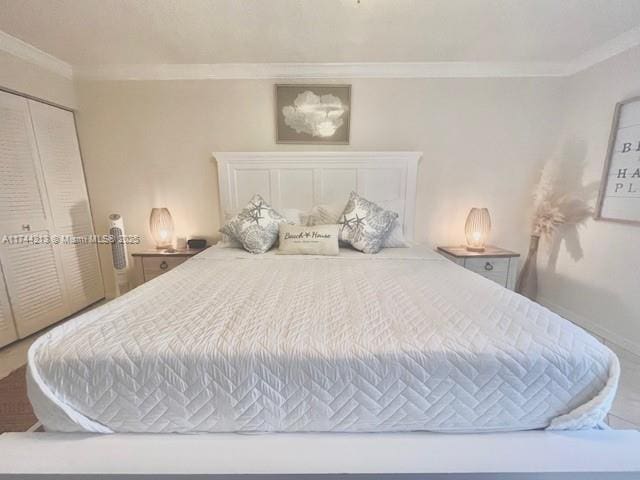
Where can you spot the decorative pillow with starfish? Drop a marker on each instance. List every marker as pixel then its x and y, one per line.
pixel 364 225
pixel 255 227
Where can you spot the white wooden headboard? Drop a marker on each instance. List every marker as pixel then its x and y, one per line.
pixel 304 179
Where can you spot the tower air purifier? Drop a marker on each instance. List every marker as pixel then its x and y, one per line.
pixel 119 255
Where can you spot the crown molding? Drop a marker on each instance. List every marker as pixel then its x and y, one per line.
pixel 226 71
pixel 25 51
pixel 613 47
pixel 274 71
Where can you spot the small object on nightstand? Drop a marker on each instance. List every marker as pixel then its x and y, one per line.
pixel 153 263
pixel 197 243
pixel 181 243
pixel 494 263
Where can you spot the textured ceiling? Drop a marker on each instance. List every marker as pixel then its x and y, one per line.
pixel 91 32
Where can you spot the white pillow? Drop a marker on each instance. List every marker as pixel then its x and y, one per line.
pixel 294 216
pixel 302 240
pixel 226 240
pixel 330 213
pixel 325 214
pixel 395 237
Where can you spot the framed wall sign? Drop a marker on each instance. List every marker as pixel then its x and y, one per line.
pixel 619 198
pixel 314 114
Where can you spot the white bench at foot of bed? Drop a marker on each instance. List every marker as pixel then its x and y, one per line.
pixel 550 455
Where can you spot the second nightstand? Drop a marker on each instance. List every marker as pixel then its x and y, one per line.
pixel 494 263
pixel 153 263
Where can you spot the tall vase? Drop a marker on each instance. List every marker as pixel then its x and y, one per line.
pixel 527 283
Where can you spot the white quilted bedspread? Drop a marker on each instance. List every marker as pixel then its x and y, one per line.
pixel 399 341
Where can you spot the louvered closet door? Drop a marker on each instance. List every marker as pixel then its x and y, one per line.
pixel 57 142
pixel 7 328
pixel 32 272
pixel 35 285
pixel 22 204
pixel 81 269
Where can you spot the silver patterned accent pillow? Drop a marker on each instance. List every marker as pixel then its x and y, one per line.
pixel 324 214
pixel 255 227
pixel 364 225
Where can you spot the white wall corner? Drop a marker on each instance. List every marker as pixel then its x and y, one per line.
pixel 27 52
pixel 613 47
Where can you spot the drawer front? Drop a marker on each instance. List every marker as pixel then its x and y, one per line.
pixel 155 266
pixel 496 269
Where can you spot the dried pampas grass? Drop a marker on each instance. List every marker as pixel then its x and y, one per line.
pixel 554 202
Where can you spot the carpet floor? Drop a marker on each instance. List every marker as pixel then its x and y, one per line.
pixel 16 414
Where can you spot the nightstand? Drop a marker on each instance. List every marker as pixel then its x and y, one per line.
pixel 494 263
pixel 153 263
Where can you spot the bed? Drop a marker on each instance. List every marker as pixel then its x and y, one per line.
pixel 400 341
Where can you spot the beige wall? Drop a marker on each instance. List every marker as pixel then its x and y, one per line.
pixel 30 79
pixel 149 144
pixel 593 275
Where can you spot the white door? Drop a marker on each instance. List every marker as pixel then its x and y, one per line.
pixel 7 328
pixel 31 268
pixel 55 134
pixel 81 268
pixel 35 285
pixel 22 207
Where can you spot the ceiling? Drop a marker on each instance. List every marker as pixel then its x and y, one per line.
pixel 101 32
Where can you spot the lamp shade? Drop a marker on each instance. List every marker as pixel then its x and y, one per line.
pixel 161 226
pixel 477 228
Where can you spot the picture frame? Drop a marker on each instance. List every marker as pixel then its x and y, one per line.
pixel 619 195
pixel 313 114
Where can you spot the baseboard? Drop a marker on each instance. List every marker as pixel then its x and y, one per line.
pixel 35 427
pixel 608 335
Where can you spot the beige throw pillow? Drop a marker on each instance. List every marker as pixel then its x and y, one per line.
pixel 315 240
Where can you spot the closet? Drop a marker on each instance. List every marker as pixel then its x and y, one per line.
pixel 49 268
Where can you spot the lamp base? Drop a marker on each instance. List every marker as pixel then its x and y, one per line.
pixel 475 249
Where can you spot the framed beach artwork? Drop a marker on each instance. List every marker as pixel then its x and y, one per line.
pixel 619 198
pixel 313 114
